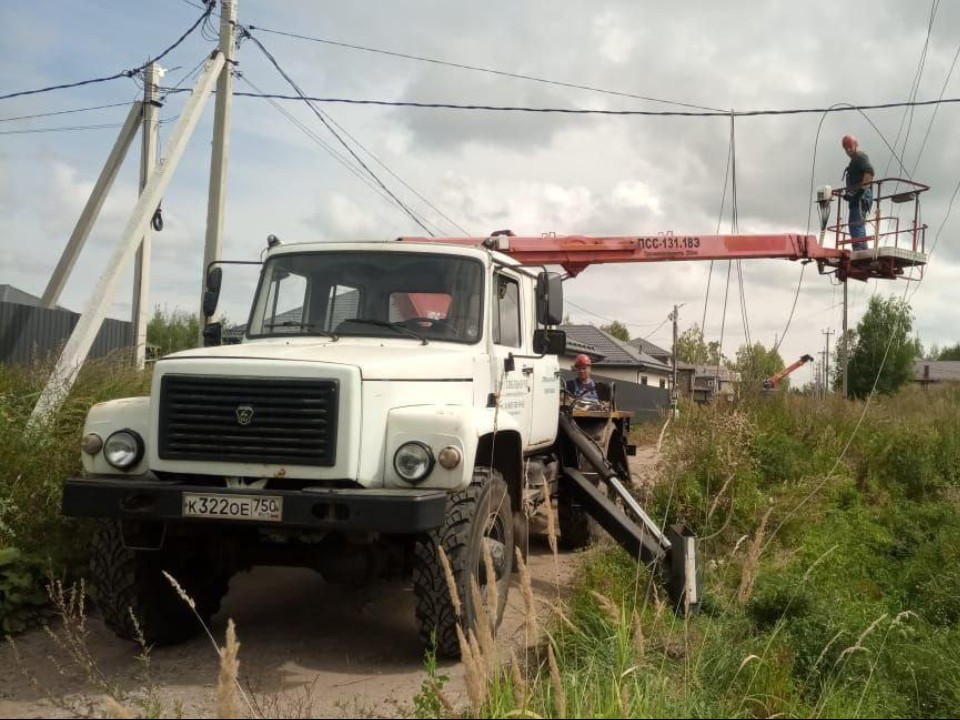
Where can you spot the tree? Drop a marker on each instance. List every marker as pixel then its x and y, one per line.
pixel 755 364
pixel 948 353
pixel 881 350
pixel 692 348
pixel 618 330
pixel 173 331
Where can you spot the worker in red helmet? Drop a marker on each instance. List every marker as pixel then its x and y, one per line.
pixel 583 386
pixel 859 190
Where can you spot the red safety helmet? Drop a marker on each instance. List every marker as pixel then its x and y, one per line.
pixel 582 361
pixel 848 142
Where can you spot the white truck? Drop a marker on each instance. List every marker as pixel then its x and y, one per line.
pixel 387 399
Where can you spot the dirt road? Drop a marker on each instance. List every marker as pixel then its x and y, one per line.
pixel 308 648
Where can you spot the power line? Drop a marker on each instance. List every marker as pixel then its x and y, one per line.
pixel 331 151
pixel 914 86
pixel 124 73
pixel 66 128
pixel 276 64
pixel 933 117
pixel 474 68
pixel 63 112
pixel 838 107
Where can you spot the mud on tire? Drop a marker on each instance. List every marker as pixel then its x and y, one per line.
pixel 479 515
pixel 124 580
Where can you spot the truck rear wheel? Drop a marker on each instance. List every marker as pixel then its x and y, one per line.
pixel 125 581
pixel 476 517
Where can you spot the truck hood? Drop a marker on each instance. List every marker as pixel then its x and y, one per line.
pixel 377 359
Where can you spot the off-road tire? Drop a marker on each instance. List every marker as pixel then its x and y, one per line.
pixel 124 580
pixel 482 510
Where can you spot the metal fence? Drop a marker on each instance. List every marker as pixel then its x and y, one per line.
pixel 645 401
pixel 31 334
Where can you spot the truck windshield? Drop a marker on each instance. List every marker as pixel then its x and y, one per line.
pixel 369 293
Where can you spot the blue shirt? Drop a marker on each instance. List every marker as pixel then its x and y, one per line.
pixel 583 391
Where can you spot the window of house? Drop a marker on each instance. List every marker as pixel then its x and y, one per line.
pixel 643 379
pixel 663 383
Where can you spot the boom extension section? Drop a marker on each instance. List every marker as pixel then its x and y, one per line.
pixel 771 382
pixel 576 252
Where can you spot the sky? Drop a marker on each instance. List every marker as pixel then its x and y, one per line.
pixel 476 172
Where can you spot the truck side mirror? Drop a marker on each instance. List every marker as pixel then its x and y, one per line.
pixel 212 295
pixel 210 299
pixel 549 342
pixel 212 333
pixel 549 298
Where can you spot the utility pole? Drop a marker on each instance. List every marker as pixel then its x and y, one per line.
pixel 51 295
pixel 674 393
pixel 844 347
pixel 826 368
pixel 216 199
pixel 148 157
pixel 77 347
pixel 821 378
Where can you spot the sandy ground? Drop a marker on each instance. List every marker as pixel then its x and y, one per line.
pixel 308 648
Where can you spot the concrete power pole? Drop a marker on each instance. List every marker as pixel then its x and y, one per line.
pixel 77 347
pixel 216 199
pixel 845 346
pixel 148 157
pixel 826 367
pixel 674 391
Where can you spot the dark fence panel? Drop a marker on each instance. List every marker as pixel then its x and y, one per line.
pixel 643 400
pixel 29 334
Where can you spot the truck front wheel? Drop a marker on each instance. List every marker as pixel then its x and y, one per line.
pixel 478 517
pixel 125 581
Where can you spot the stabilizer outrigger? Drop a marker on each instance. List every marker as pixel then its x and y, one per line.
pixel 672 554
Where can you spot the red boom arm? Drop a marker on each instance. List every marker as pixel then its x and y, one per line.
pixel 575 252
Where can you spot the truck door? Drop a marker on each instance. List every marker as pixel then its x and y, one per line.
pixel 507 323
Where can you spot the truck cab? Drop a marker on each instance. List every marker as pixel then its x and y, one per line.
pixel 379 408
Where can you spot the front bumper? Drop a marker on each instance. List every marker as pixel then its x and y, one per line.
pixel 146 498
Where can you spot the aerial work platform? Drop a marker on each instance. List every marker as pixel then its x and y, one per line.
pixel 895 232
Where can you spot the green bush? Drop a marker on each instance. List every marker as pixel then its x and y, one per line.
pixel 23 599
pixel 35 460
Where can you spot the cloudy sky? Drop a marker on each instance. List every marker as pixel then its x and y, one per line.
pixel 483 171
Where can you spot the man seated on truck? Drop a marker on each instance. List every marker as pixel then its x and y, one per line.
pixel 583 387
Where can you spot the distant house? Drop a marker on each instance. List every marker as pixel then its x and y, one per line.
pixel 936 372
pixel 706 383
pixel 654 351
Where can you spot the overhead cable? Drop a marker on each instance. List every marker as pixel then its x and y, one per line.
pixel 124 73
pixel 839 107
pixel 474 68
pixel 329 126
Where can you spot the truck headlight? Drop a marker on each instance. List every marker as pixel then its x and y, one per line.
pixel 413 461
pixel 123 449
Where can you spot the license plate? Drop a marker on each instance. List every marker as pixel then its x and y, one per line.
pixel 233 507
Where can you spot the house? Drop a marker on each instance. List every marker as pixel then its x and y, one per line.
pixel 614 358
pixel 654 351
pixel 706 383
pixel 936 372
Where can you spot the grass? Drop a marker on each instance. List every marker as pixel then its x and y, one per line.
pixel 830 540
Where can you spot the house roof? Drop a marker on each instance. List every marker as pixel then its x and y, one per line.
pixel 937 370
pixel 607 350
pixel 648 347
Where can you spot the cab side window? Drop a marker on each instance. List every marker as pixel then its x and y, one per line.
pixel 506 315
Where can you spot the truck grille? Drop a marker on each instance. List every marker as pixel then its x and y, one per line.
pixel 248 420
